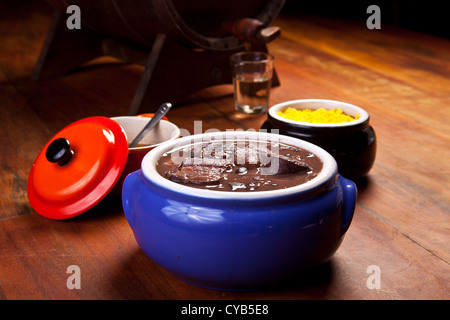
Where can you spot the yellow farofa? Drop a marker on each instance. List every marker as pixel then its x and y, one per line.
pixel 320 115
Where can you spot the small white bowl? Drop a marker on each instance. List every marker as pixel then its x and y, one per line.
pixel 314 104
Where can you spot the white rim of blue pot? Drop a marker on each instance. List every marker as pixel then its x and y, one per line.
pixel 315 104
pixel 149 165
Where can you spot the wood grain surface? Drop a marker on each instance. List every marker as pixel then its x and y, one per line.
pixel 402 217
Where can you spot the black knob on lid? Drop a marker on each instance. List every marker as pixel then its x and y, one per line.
pixel 59 151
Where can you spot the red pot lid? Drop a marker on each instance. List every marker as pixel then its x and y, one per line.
pixel 77 168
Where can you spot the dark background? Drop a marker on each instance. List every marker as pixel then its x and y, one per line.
pixel 429 16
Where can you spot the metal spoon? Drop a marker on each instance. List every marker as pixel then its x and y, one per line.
pixel 163 109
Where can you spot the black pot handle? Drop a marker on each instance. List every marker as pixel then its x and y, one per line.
pixel 59 151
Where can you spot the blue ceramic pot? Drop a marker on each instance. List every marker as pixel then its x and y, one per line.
pixel 238 240
pixel 352 144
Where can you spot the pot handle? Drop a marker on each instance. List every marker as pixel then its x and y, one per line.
pixel 350 192
pixel 128 196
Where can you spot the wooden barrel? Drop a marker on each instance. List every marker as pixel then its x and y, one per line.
pixel 194 23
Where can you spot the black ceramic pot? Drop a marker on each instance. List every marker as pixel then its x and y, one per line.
pixel 352 144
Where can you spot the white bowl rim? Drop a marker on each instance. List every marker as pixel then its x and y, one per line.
pixel 348 108
pixel 175 134
pixel 149 161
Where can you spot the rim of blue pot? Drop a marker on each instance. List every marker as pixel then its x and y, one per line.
pixel 148 166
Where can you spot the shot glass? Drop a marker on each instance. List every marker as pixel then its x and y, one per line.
pixel 252 80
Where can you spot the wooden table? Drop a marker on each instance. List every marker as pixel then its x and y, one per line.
pixel 401 223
